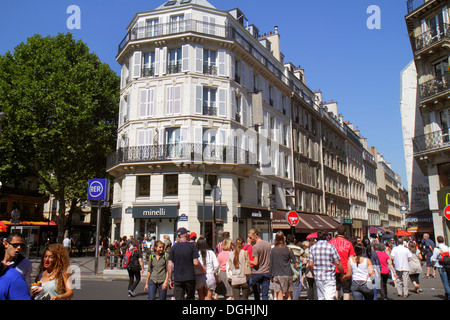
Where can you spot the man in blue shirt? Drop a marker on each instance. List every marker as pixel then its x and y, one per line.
pixel 183 258
pixel 12 283
pixel 429 245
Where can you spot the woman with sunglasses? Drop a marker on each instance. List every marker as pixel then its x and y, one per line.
pixel 55 282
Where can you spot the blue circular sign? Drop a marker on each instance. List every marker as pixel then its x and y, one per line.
pixel 95 189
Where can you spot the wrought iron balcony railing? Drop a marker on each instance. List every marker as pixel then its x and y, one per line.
pixel 432 36
pixel 182 152
pixel 210 110
pixel 431 141
pixel 435 86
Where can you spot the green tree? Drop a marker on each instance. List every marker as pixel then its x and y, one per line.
pixel 61 104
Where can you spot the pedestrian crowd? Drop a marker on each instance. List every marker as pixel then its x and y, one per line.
pixel 325 268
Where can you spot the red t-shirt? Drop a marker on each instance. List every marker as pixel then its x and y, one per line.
pixel 344 249
pixel 383 257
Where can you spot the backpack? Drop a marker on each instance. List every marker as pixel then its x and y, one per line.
pixel 165 256
pixel 127 257
pixel 444 259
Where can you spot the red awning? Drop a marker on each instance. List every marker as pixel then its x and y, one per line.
pixel 3 227
pixel 308 222
pixel 30 223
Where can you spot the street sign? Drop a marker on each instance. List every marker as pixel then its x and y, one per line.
pixel 98 189
pixel 447 212
pixel 292 218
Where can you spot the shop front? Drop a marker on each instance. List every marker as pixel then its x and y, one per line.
pixel 251 218
pixel 221 217
pixel 154 221
pixel 309 223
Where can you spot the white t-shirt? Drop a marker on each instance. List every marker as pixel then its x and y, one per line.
pixel 401 255
pixel 66 242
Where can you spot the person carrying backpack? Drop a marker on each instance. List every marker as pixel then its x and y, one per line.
pixel 157 275
pixel 135 265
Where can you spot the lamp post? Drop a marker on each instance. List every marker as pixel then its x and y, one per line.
pixel 206 185
pixel 216 194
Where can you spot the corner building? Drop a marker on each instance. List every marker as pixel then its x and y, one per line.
pixel 202 95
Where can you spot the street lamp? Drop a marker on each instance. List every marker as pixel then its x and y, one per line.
pixel 196 182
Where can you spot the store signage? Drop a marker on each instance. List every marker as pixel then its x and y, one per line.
pixel 155 212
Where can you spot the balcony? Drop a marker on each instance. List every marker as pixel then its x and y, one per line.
pixel 198 152
pixel 174 67
pixel 210 70
pixel 210 110
pixel 414 4
pixel 431 37
pixel 173 28
pixel 148 72
pixel 435 87
pixel 431 142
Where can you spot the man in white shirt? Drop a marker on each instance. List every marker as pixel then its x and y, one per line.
pixel 401 257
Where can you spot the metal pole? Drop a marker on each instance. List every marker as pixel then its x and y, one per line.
pixel 97 242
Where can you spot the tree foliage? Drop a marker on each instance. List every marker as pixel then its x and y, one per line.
pixel 61 104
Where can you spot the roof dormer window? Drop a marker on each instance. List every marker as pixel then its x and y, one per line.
pixel 170 3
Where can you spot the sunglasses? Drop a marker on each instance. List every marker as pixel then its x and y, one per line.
pixel 16 245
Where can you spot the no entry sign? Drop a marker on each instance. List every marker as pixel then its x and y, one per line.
pixel 292 218
pixel 447 212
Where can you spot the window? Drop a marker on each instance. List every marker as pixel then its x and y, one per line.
pixel 259 192
pixel 175 58
pixel 440 68
pixel 171 185
pixel 148 69
pixel 170 3
pixel 213 181
pixel 444 174
pixel 209 62
pixel 185 1
pixel 240 187
pixel 209 102
pixel 143 186
pixel 151 29
pixel 177 23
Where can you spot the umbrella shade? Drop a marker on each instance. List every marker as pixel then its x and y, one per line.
pixel 402 233
pixel 3 227
pixel 312 236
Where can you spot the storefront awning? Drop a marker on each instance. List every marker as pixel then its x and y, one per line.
pixel 308 222
pixel 30 223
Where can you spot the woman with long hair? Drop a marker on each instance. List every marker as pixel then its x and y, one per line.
pixel 206 282
pixel 236 261
pixel 280 267
pixel 361 271
pixel 415 267
pixel 53 277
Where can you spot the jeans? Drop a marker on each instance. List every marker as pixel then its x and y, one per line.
pixel 261 281
pixel 361 292
pixel 445 279
pixel 153 287
pixel 134 275
pixel 184 287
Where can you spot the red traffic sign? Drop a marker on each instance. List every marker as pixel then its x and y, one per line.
pixel 292 218
pixel 447 212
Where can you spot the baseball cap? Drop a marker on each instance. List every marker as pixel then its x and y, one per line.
pixel 193 235
pixel 182 231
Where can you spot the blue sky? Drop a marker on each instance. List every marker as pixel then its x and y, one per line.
pixel 358 67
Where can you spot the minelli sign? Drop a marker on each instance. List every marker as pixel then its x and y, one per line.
pixel 142 212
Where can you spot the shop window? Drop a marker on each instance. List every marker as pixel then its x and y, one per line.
pixel 444 174
pixel 171 185
pixel 143 186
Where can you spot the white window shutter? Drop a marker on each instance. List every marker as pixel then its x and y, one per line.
pixel 150 102
pixel 212 25
pixel 232 65
pixel 199 59
pixel 184 135
pixel 122 76
pixel 185 58
pixel 157 61
pixel 137 56
pixel 233 104
pixel 222 70
pixel 251 84
pixel 142 137
pixel 164 61
pixel 143 104
pixel 222 102
pixel 176 100
pixel 243 74
pixel 169 100
pixel 141 30
pixel 205 24
pixel 199 99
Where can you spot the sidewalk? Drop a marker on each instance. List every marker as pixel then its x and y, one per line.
pixel 86 268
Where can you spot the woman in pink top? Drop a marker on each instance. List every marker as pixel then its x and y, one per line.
pixel 223 285
pixel 386 266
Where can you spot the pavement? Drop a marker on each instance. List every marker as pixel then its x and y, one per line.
pixel 85 268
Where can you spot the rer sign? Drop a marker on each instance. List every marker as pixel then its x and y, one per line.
pixel 98 189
